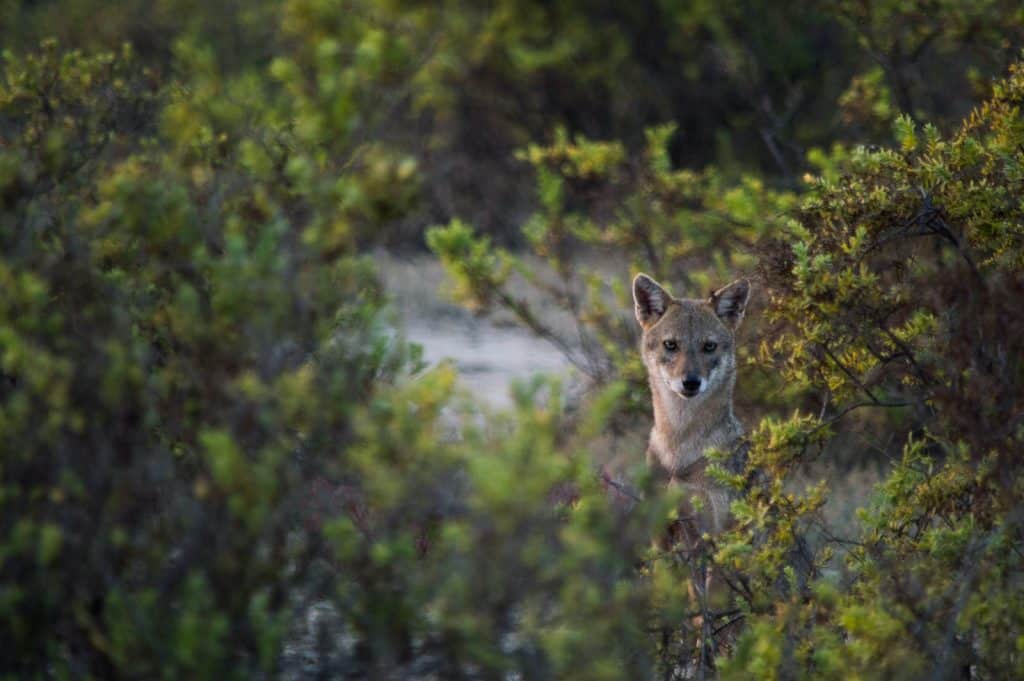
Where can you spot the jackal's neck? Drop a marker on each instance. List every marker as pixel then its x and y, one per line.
pixel 685 429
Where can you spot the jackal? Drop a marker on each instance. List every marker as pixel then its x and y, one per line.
pixel 689 349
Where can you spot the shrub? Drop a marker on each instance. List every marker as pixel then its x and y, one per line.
pixel 181 356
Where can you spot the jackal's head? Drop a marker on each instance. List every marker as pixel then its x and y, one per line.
pixel 689 344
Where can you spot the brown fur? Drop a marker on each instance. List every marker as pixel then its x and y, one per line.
pixel 687 342
pixel 689 349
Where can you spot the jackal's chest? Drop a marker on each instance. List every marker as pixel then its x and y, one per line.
pixel 675 455
pixel 705 504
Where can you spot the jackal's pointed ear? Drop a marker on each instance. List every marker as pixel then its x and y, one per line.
pixel 730 302
pixel 650 298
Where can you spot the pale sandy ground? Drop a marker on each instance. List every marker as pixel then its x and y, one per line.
pixel 490 353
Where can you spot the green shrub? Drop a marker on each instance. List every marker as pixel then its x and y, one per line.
pixel 898 289
pixel 181 358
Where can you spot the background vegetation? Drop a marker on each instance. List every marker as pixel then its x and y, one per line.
pixel 219 459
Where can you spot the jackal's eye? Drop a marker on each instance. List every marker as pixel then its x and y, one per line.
pixel 710 346
pixel 671 345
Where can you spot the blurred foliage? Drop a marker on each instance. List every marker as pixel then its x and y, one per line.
pixel 458 86
pixel 173 339
pixel 219 459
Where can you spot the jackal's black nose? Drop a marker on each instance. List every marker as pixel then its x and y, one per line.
pixel 691 384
